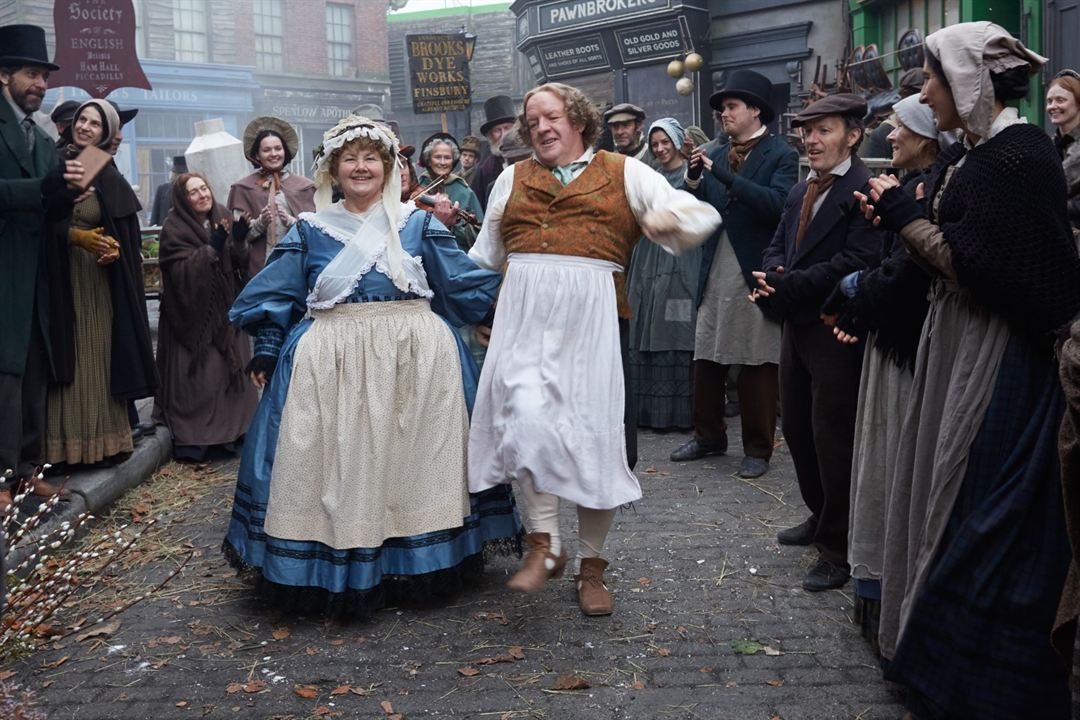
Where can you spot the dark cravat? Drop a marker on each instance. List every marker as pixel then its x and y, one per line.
pixel 815 187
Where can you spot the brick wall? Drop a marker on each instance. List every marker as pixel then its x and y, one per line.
pixel 305 37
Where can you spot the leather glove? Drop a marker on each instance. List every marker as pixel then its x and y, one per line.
pixel 896 209
pixel 218 236
pixel 262 364
pixel 85 239
pixel 722 173
pixel 240 229
pixel 694 170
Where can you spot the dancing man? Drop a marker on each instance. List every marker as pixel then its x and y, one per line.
pixel 551 406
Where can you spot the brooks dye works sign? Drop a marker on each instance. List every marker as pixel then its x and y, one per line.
pixel 95 46
pixel 438 73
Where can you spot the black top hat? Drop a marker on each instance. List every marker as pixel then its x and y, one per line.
pixel 24 45
pixel 498 109
pixel 179 164
pixel 750 87
pixel 64 112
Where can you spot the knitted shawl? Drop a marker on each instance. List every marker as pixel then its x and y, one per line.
pixel 1003 216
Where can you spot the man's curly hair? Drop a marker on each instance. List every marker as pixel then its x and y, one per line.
pixel 579 111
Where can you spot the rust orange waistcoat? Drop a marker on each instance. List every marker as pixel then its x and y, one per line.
pixel 590 217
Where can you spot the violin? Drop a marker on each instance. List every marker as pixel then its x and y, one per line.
pixel 427 203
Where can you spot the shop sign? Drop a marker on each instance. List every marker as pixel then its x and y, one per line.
pixel 438 73
pixel 564 14
pixel 584 53
pixel 95 46
pixel 307 112
pixel 651 43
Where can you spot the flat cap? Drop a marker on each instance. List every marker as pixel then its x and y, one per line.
pixel 844 104
pixel 623 112
pixel 471 143
pixel 65 111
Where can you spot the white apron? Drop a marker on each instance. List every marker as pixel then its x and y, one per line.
pixel 549 406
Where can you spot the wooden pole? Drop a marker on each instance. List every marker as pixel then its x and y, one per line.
pixel 445 127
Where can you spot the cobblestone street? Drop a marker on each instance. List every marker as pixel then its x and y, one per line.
pixel 694 566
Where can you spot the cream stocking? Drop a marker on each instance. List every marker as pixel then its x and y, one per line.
pixel 542 513
pixel 593 526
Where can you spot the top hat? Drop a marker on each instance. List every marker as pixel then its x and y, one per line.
pixel 24 45
pixel 179 164
pixel 750 87
pixel 498 109
pixel 279 126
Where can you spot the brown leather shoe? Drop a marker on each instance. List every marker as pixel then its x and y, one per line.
pixel 592 594
pixel 44 488
pixel 539 565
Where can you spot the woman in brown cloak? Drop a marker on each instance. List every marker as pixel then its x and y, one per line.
pixel 205 398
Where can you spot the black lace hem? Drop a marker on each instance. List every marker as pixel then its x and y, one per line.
pixel 407 590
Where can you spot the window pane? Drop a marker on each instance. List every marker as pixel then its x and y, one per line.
pixel 338 38
pixel 189 20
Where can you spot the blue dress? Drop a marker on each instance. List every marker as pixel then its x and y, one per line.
pixel 309 576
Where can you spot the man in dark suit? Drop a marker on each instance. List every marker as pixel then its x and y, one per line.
pixel 499 111
pixel 32 190
pixel 747 178
pixel 163 193
pixel 821 238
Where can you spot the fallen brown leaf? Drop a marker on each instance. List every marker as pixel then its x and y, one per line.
pixel 644 581
pixel 323 710
pixel 255 686
pixel 651 470
pixel 306 691
pixel 56 663
pixel 46 684
pixel 517 652
pixel 774 683
pixel 181 703
pixel 362 692
pixel 234 688
pixel 663 652
pixel 638 685
pixel 468 671
pixel 704 669
pixel 340 690
pixel 46 630
pixel 280 634
pixel 387 707
pixel 7 674
pixel 339 641
pixel 570 681
pixel 171 640
pixel 99 631
pixel 310 650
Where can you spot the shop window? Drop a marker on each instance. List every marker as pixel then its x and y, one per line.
pixel 339 38
pixel 269 52
pixel 170 126
pixel 190 30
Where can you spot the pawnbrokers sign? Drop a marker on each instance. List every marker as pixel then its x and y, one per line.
pixel 438 73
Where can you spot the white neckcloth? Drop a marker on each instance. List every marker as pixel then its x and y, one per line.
pixel 366 237
pixel 549 406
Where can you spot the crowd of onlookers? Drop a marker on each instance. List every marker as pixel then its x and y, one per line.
pixel 910 329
